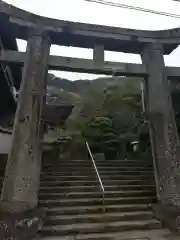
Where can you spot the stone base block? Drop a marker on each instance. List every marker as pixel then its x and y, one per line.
pixel 168 215
pixel 21 226
pixel 16 206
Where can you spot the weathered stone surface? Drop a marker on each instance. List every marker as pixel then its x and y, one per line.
pixel 21 226
pixel 168 215
pixel 22 174
pixel 87 65
pixel 98 55
pixel 162 125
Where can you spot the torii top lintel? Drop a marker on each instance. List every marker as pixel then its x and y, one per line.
pixel 67 33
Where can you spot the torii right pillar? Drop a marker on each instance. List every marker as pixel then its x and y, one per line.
pixel 164 136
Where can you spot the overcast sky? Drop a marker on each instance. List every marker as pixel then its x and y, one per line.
pixel 81 11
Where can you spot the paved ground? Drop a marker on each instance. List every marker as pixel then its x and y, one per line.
pixel 162 234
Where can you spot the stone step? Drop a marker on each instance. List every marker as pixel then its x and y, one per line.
pixel 54 189
pixel 103 217
pixel 63 183
pixel 87 161
pixel 87 195
pixel 97 201
pixel 82 228
pixel 94 177
pixel 90 166
pixel 114 161
pixel 100 168
pixel 93 173
pixel 155 234
pixel 103 160
pixel 55 211
pixel 119 164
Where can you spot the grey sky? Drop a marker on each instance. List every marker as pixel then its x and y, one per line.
pixel 81 11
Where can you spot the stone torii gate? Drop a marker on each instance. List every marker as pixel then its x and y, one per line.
pixel 21 182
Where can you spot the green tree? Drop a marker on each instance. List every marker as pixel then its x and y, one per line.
pixel 102 136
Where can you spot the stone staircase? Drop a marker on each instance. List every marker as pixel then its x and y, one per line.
pixel 70 193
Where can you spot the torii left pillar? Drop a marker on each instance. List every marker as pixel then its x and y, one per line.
pixel 22 175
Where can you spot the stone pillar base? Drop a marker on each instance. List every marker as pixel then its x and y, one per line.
pixel 168 215
pixel 21 226
pixel 15 206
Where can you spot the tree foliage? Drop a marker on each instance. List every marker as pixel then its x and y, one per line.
pixel 111 117
pixel 102 136
pixel 110 114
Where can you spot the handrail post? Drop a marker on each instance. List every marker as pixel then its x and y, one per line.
pixel 99 178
